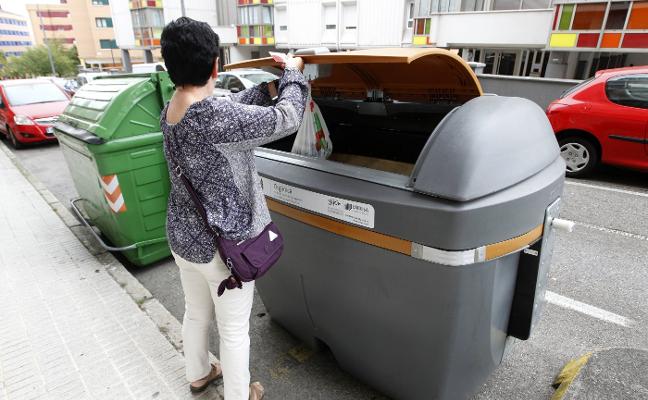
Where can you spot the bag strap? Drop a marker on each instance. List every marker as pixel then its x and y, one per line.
pixel 233 280
pixel 177 169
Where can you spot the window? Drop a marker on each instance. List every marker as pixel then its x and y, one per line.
pixel 45 92
pixel 330 21
pixel 565 17
pixel 506 4
pixel 233 83
pixel 99 2
pixel 108 43
pixel 589 16
pixel 52 14
pixel 56 27
pixel 104 22
pixel 255 15
pixel 283 28
pixel 410 15
pixel 535 4
pixel 631 91
pixel 617 15
pixel 259 77
pixel 472 5
pixel 423 26
pixel 147 18
pixel 639 15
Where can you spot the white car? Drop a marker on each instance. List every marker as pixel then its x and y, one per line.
pixel 241 79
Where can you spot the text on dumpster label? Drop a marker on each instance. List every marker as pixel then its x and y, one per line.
pixel 345 210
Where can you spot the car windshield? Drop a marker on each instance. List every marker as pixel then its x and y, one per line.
pixel 32 93
pixel 259 78
pixel 575 88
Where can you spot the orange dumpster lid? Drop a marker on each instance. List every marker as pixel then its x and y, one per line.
pixel 405 74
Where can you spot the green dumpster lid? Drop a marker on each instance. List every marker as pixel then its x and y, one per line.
pixel 117 106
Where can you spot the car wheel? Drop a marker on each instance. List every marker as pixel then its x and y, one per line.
pixel 580 155
pixel 13 140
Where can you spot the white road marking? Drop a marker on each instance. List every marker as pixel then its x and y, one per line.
pixel 614 231
pixel 583 308
pixel 606 188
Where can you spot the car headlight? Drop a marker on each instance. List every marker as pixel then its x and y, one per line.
pixel 23 120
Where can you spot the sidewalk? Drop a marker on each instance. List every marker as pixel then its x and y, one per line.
pixel 67 329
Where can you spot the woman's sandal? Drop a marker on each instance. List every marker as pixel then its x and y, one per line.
pixel 256 391
pixel 202 384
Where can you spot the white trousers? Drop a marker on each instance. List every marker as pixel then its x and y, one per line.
pixel 200 284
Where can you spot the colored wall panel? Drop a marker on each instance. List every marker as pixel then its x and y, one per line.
pixel 635 41
pixel 563 40
pixel 589 16
pixel 639 15
pixel 617 15
pixel 420 40
pixel 611 40
pixel 555 20
pixel 587 40
pixel 565 17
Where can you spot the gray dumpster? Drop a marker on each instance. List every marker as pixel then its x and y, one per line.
pixel 421 247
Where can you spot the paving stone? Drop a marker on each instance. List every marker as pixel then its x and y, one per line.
pixel 67 331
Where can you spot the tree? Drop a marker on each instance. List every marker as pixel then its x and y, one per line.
pixel 35 62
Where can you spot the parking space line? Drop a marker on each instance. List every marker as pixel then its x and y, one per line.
pixel 609 230
pixel 609 189
pixel 583 308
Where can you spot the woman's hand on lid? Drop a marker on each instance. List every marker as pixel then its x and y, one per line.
pixel 294 62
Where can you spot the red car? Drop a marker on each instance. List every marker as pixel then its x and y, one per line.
pixel 604 120
pixel 29 108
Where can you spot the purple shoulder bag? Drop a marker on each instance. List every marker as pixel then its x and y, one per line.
pixel 247 259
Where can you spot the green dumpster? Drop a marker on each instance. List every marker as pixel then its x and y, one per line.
pixel 111 140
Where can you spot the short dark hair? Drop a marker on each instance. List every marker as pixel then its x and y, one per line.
pixel 189 49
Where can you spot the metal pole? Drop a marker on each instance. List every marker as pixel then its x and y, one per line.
pixel 182 8
pixel 49 51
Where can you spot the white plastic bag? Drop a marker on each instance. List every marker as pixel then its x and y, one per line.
pixel 313 138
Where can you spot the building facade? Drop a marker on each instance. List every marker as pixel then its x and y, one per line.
pixel 140 22
pixel 86 24
pixel 343 24
pixel 590 36
pixel 15 37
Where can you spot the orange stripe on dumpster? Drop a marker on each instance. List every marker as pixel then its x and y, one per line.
pixel 352 232
pixel 113 193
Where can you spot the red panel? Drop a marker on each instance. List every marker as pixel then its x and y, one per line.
pixel 264 41
pixel 587 40
pixel 635 41
pixel 150 3
pixel 238 31
pixel 251 40
pixel 556 17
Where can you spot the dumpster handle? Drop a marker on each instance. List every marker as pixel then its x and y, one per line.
pixel 87 224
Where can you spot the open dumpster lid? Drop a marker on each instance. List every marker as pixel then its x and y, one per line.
pixel 405 74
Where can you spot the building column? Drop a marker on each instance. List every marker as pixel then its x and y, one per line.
pixel 572 63
pixel 148 56
pixel 126 60
pixel 518 62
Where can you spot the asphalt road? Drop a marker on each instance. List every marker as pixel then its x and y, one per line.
pixel 599 281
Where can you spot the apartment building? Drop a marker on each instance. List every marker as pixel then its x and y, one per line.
pixel 343 24
pixel 139 24
pixel 589 36
pixel 15 38
pixel 86 24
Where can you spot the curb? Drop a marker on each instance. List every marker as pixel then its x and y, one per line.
pixel 168 325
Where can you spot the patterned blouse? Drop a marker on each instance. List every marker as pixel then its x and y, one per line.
pixel 214 143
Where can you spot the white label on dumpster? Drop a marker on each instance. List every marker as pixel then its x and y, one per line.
pixel 345 210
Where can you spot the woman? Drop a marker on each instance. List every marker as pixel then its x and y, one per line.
pixel 213 139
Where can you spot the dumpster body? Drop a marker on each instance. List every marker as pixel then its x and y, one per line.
pixel 421 248
pixel 111 140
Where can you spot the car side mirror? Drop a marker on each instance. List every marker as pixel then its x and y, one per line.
pixel 235 89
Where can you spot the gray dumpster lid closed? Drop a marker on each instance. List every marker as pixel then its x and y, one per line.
pixel 471 154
